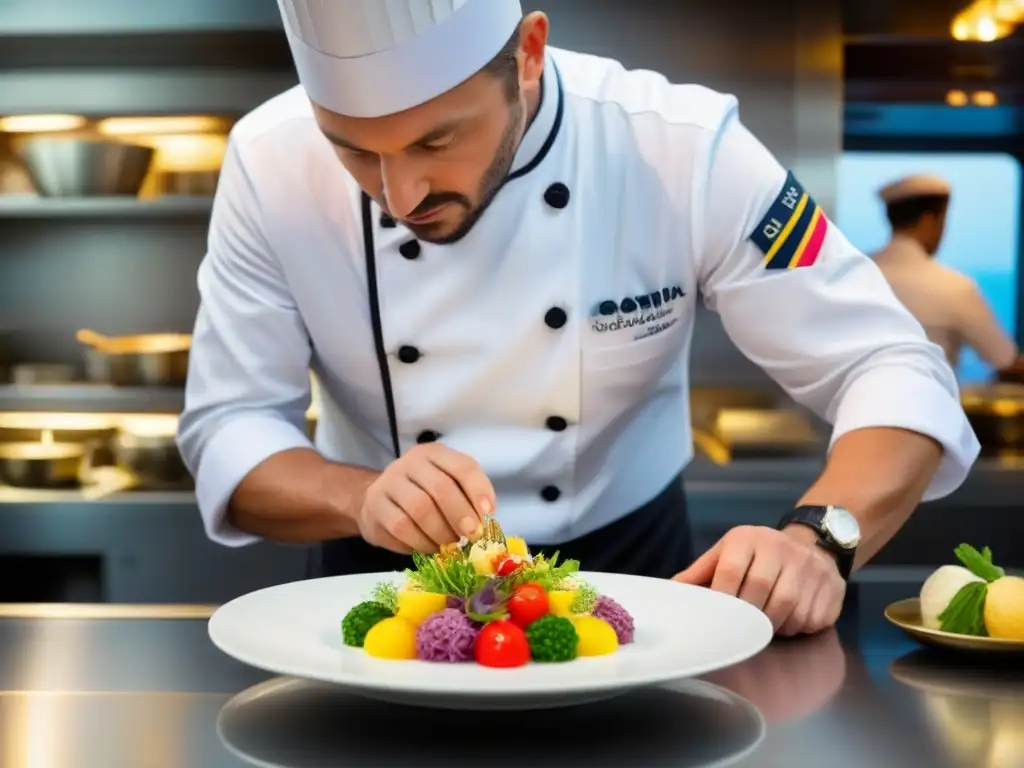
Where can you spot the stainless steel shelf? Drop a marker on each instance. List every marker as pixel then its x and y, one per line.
pixel 90 398
pixel 28 207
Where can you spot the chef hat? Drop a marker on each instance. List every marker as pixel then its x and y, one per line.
pixel 367 58
pixel 914 186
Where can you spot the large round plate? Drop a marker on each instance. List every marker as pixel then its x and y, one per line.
pixel 906 614
pixel 682 631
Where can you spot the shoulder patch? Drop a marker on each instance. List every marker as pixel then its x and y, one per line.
pixel 792 232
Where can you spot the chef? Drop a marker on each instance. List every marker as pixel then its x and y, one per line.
pixel 489 252
pixel 948 304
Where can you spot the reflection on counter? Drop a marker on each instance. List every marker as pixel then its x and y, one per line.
pixel 975 705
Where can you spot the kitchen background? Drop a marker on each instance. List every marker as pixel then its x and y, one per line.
pixel 100 241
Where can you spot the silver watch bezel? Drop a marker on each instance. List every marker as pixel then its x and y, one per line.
pixel 831 524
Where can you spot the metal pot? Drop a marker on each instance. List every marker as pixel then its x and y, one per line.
pixel 996 414
pixel 202 183
pixel 75 167
pixel 42 373
pixel 18 427
pixel 42 465
pixel 155 359
pixel 146 447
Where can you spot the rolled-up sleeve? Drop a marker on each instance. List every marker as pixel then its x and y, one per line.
pixel 248 382
pixel 812 311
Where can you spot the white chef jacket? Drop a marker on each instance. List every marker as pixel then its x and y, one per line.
pixel 664 193
pixel 947 303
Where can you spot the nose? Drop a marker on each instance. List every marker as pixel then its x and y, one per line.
pixel 403 188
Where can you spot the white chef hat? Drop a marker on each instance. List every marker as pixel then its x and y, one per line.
pixel 368 58
pixel 921 185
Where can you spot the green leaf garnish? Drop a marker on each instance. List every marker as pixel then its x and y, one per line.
pixel 451 577
pixel 386 594
pixel 586 598
pixel 965 613
pixel 979 564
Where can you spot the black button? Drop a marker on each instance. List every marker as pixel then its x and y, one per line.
pixel 557 424
pixel 428 436
pixel 387 222
pixel 408 354
pixel 557 195
pixel 550 493
pixel 555 317
pixel 410 250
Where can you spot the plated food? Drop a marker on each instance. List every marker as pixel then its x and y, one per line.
pixel 491 602
pixel 975 598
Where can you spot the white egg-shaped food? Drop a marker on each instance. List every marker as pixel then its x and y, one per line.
pixel 939 589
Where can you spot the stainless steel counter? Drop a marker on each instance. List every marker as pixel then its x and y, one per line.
pixel 115 690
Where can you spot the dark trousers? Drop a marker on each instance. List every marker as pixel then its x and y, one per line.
pixel 653 540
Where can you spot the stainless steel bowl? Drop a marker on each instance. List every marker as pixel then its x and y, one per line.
pixel 62 167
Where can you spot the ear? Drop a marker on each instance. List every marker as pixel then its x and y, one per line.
pixel 533 41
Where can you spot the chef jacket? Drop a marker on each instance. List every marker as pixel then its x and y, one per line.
pixel 551 343
pixel 947 303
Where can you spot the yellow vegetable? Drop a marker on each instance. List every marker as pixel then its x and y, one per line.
pixel 393 638
pixel 516 546
pixel 560 602
pixel 1004 608
pixel 483 555
pixel 417 607
pixel 597 636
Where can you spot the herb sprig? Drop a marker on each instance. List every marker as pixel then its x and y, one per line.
pixel 451 577
pixel 965 614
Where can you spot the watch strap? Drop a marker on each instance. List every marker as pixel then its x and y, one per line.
pixel 813 517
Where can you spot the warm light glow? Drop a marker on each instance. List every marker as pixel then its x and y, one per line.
pixel 135 126
pixel 984 99
pixel 956 99
pixel 186 153
pixel 40 123
pixel 987 20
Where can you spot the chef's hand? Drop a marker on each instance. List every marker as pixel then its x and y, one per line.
pixel 784 573
pixel 430 496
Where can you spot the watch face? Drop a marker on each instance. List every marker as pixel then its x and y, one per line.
pixel 842 526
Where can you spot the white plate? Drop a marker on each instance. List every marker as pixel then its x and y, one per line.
pixel 681 631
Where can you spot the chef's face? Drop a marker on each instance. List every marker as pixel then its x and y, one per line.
pixel 438 166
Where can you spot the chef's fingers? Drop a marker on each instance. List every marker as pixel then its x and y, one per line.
pixel 761 577
pixel 800 617
pixel 420 507
pixel 702 570
pixel 468 474
pixel 445 513
pixel 825 609
pixel 785 596
pixel 391 515
pixel 733 563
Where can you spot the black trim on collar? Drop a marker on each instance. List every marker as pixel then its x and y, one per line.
pixel 375 321
pixel 552 135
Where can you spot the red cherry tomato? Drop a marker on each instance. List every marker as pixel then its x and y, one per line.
pixel 527 604
pixel 507 565
pixel 502 644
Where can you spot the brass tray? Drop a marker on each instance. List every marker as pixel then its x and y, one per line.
pixel 906 614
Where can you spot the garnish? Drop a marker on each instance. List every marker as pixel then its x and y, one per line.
pixel 489 602
pixel 455 577
pixel 965 613
pixel 552 638
pixel 585 600
pixel 386 594
pixel 528 604
pixel 979 563
pixel 360 620
pixel 547 572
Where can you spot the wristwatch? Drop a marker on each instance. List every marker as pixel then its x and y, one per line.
pixel 838 531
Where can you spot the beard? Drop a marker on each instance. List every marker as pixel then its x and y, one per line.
pixel 491 183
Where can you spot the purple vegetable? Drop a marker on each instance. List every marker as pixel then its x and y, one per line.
pixel 488 601
pixel 458 603
pixel 607 609
pixel 447 636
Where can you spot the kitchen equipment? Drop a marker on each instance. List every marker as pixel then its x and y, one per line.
pixel 42 465
pixel 27 374
pixel 996 413
pixel 6 353
pixel 145 446
pixel 76 167
pixel 767 433
pixel 155 359
pixel 95 429
pixel 201 183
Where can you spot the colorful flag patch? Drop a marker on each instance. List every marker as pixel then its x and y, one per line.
pixel 792 232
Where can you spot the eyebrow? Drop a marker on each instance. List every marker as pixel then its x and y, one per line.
pixel 432 135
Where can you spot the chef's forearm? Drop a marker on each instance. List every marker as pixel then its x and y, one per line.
pixel 879 475
pixel 298 496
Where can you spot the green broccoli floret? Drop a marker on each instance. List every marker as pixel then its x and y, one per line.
pixel 552 638
pixel 361 620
